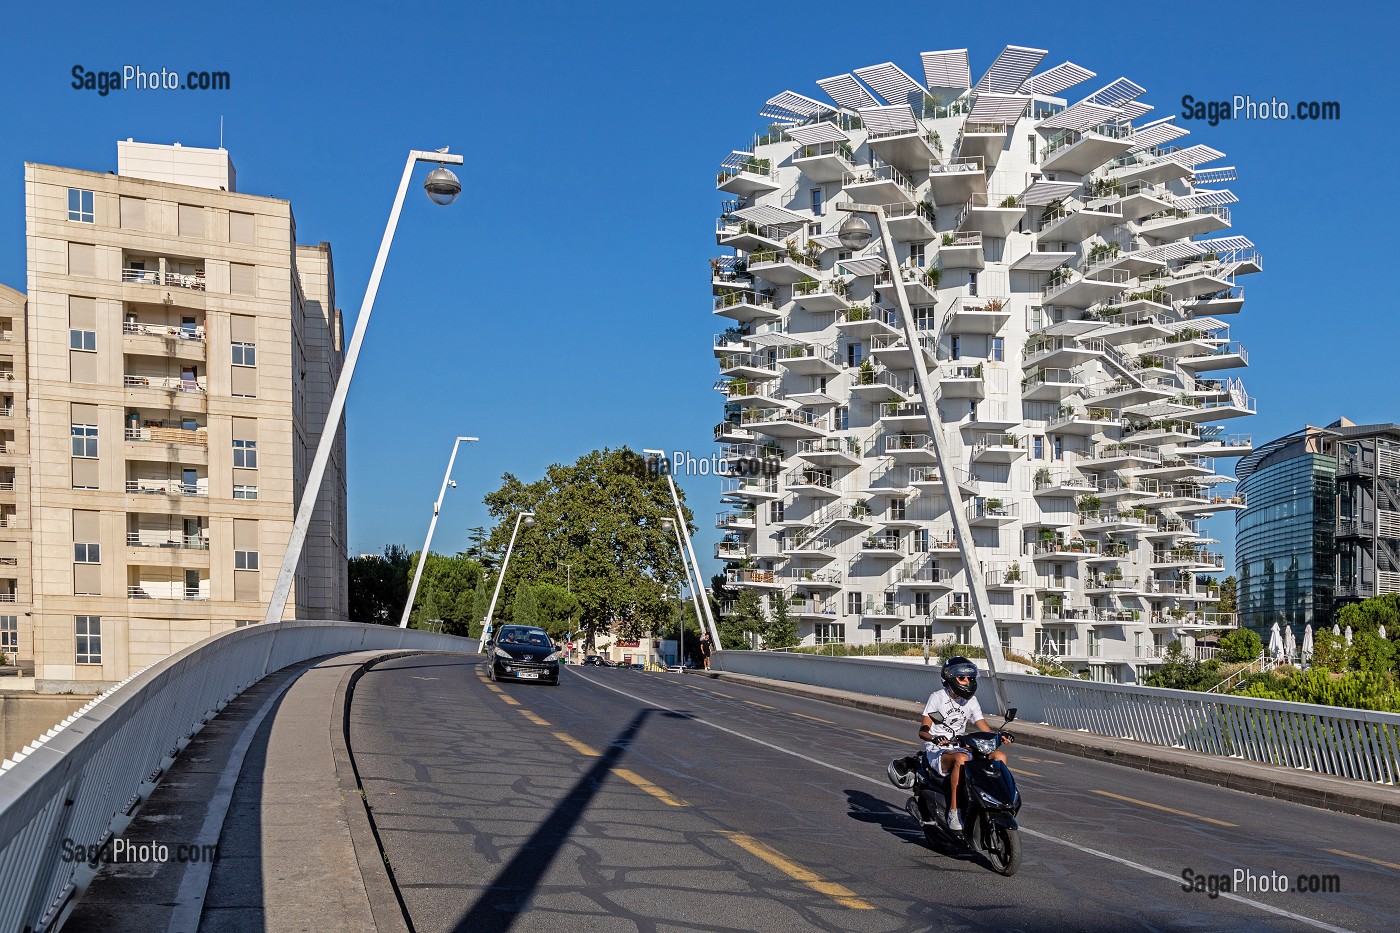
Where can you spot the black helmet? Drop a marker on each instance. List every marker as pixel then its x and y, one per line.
pixel 960 667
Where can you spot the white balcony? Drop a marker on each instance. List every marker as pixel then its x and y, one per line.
pixel 805 359
pixel 825 162
pixel 783 423
pixel 956 181
pixel 997 448
pixel 193 386
pixel 1080 152
pixel 990 215
pixel 783 266
pixel 1154 166
pixel 1061 352
pixel 821 296
pixel 991 512
pixel 1073 290
pixel 168 487
pixel 902 415
pixel 925 576
pixel 912 223
pixel 910 448
pixel 1086 423
pixel 873 385
pixel 745 175
pixel 962 251
pixel 859 322
pixel 1185 222
pixel 1050 384
pixel 882 185
pixel 1075 225
pixel 962 381
pixel 909 150
pixel 746 306
pixel 983 140
pixel 837 451
pixel 894 352
pixel 973 315
pixel 167 590
pixel 763 579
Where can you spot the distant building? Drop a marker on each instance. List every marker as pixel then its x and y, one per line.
pixel 1322 523
pixel 168 376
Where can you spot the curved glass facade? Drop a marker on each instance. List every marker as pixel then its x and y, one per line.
pixel 1283 541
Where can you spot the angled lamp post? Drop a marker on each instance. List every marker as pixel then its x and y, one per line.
pixel 529 519
pixel 855 234
pixel 709 619
pixel 442 187
pixel 694 593
pixel 427 542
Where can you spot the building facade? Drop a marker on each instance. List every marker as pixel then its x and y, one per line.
pixel 1074 323
pixel 1322 527
pixel 174 362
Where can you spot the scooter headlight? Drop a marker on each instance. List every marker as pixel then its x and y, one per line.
pixel 988 799
pixel 985 746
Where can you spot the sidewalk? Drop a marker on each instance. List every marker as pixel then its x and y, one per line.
pixel 271 779
pixel 1375 801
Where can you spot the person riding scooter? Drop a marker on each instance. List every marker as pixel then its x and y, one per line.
pixel 948 714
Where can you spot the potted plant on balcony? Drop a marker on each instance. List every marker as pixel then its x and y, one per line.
pixel 1113 575
pixel 1047 535
pixel 932 276
pixel 947 239
pixel 1052 606
pixel 993 506
pixel 867 373
pixel 1090 504
pixel 1008 201
pixel 1013 573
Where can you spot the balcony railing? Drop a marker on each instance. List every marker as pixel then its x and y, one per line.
pixel 193 282
pixel 169 383
pixel 159 330
pixel 168 488
pixel 164 540
pixel 166 591
pixel 971 164
pixel 161 435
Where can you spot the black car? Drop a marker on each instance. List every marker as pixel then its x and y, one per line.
pixel 523 652
pixel 597 660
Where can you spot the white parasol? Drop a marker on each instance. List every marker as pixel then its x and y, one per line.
pixel 1276 643
pixel 1307 650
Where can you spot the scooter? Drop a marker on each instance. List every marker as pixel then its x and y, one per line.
pixel 987 800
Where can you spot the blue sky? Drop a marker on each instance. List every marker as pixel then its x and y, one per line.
pixel 562 303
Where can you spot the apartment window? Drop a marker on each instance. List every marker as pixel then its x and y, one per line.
pixel 245 354
pixel 245 560
pixel 1094 638
pixel 923 604
pixel 9 635
pixel 843 256
pixel 898 509
pixel 240 228
pixel 853 604
pixel 242 279
pixel 1059 447
pixel 1004 636
pixel 843 418
pixel 245 454
pixel 916 254
pixel 962 634
pixel 1038 447
pixel 245 492
pixel 87 637
pixel 85 440
pixel 1028 606
pixel 82 340
pixel 87 553
pixel 1030 143
pixel 80 206
pixel 955 347
pixel 960 600
pixel 854 353
pixel 817 195
pixel 998 349
pixel 830 632
pixel 916 633
pixel 972 284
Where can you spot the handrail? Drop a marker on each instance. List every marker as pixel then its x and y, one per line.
pixel 103 759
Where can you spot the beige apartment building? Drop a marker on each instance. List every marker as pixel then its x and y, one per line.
pixel 164 388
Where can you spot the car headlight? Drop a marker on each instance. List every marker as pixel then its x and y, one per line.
pixel 985 746
pixel 504 654
pixel 556 656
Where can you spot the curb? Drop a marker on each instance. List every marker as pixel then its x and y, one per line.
pixel 1340 795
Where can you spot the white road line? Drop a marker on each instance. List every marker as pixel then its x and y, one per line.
pixel 1158 873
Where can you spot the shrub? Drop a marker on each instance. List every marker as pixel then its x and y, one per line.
pixel 1242 644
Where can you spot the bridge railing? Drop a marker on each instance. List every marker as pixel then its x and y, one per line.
pixel 80 784
pixel 1352 743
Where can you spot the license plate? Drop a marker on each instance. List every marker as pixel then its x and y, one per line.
pixel 528 675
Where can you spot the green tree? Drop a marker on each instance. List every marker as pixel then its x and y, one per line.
pixel 1357 690
pixel 1330 652
pixel 1372 653
pixel 781 631
pixel 557 610
pixel 737 629
pixel 379 586
pixel 445 593
pixel 1369 614
pixel 1228 599
pixel 602 517
pixel 524 609
pixel 1181 671
pixel 1241 644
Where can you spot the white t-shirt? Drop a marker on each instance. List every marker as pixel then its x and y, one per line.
pixel 959 715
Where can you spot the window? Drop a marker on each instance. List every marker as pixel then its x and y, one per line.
pixel 923 604
pixel 1038 447
pixel 972 284
pixel 916 254
pixel 1028 606
pixel 955 347
pixel 82 340
pixel 921 541
pixel 898 510
pixel 1059 447
pixel 916 633
pixel 87 553
pixel 87 637
pixel 962 634
pixel 775 511
pixel 241 228
pixel 1030 141
pixel 998 350
pixel 242 279
pixel 85 440
pixel 843 418
pixel 9 635
pixel 245 492
pixel 817 194
pixel 1004 636
pixel 829 632
pixel 245 454
pixel 1094 638
pixel 853 604
pixel 245 354
pixel 854 354
pixel 80 206
pixel 245 560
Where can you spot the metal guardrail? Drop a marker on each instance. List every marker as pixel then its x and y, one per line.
pixel 85 778
pixel 1360 744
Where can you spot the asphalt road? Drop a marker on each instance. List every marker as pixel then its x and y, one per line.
pixel 624 801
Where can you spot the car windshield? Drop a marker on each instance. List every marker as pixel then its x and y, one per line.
pixel 525 637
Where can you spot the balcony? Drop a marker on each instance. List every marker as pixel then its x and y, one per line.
pixel 961 251
pixel 167 590
pixel 1075 225
pixel 820 296
pixel 1130 520
pixel 766 579
pixel 962 381
pixel 730 432
pixel 1184 222
pixel 1086 423
pixel 1062 483
pixel 746 306
pixel 761 489
pixel 957 181
pixel 1058 548
pixel 181 343
pixel 812 482
pixel 991 512
pixel 997 448
pixel 157 434
pixel 973 315
pixel 1063 352
pixel 745 175
pixel 783 423
pixel 902 415
pixel 825 162
pixel 783 266
pixel 1188 559
pixel 1051 385
pixel 882 185
pixel 747 235
pixel 910 448
pixel 894 353
pixel 859 321
pixel 983 140
pixel 168 487
pixel 1080 152
pixel 1226 301
pixel 883 546
pixel 990 215
pixel 1152 166
pixel 838 451
pixel 908 149
pixel 731 550
pixel 925 576
pixel 176 274
pixel 920 283
pixel 872 385
pixel 1070 289
pixel 912 223
pixel 1227 355
pixel 175 385
pixel 744 366
pixel 737 520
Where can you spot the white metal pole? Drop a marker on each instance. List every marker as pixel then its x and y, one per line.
pixel 491 609
pixel 428 541
pixel 689 547
pixel 311 492
pixel 962 530
pixel 694 589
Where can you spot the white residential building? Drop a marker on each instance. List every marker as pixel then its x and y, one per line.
pixel 1071 270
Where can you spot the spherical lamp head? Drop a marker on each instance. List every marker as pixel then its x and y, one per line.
pixel 855 232
pixel 442 186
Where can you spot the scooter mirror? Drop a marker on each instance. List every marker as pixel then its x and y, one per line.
pixel 1011 714
pixel 937 718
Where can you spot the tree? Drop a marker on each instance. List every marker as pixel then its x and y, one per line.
pixel 525 610
pixel 1180 671
pixel 1372 653
pixel 556 610
pixel 379 586
pixel 747 619
pixel 781 631
pixel 1370 614
pixel 1330 651
pixel 445 593
pixel 1228 600
pixel 1241 644
pixel 601 516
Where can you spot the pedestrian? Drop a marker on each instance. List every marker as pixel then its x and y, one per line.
pixel 705 650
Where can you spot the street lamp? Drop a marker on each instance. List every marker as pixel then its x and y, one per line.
pixel 437 506
pixel 529 519
pixel 694 593
pixel 689 547
pixel 439 188
pixel 855 234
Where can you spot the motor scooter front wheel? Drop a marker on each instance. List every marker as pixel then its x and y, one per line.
pixel 1003 849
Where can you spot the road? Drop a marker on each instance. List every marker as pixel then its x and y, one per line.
pixel 623 800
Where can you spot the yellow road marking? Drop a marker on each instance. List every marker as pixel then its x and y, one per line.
pixel 760 705
pixel 725 695
pixel 576 745
pixel 633 777
pixel 814 718
pixel 511 700
pixel 1020 771
pixel 533 718
pixel 1364 858
pixel 881 735
pixel 837 892
pixel 494 689
pixel 1157 806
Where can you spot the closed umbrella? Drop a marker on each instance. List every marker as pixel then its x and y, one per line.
pixel 1276 643
pixel 1307 651
pixel 1347 635
pixel 1336 629
pixel 1290 645
pixel 1381 631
